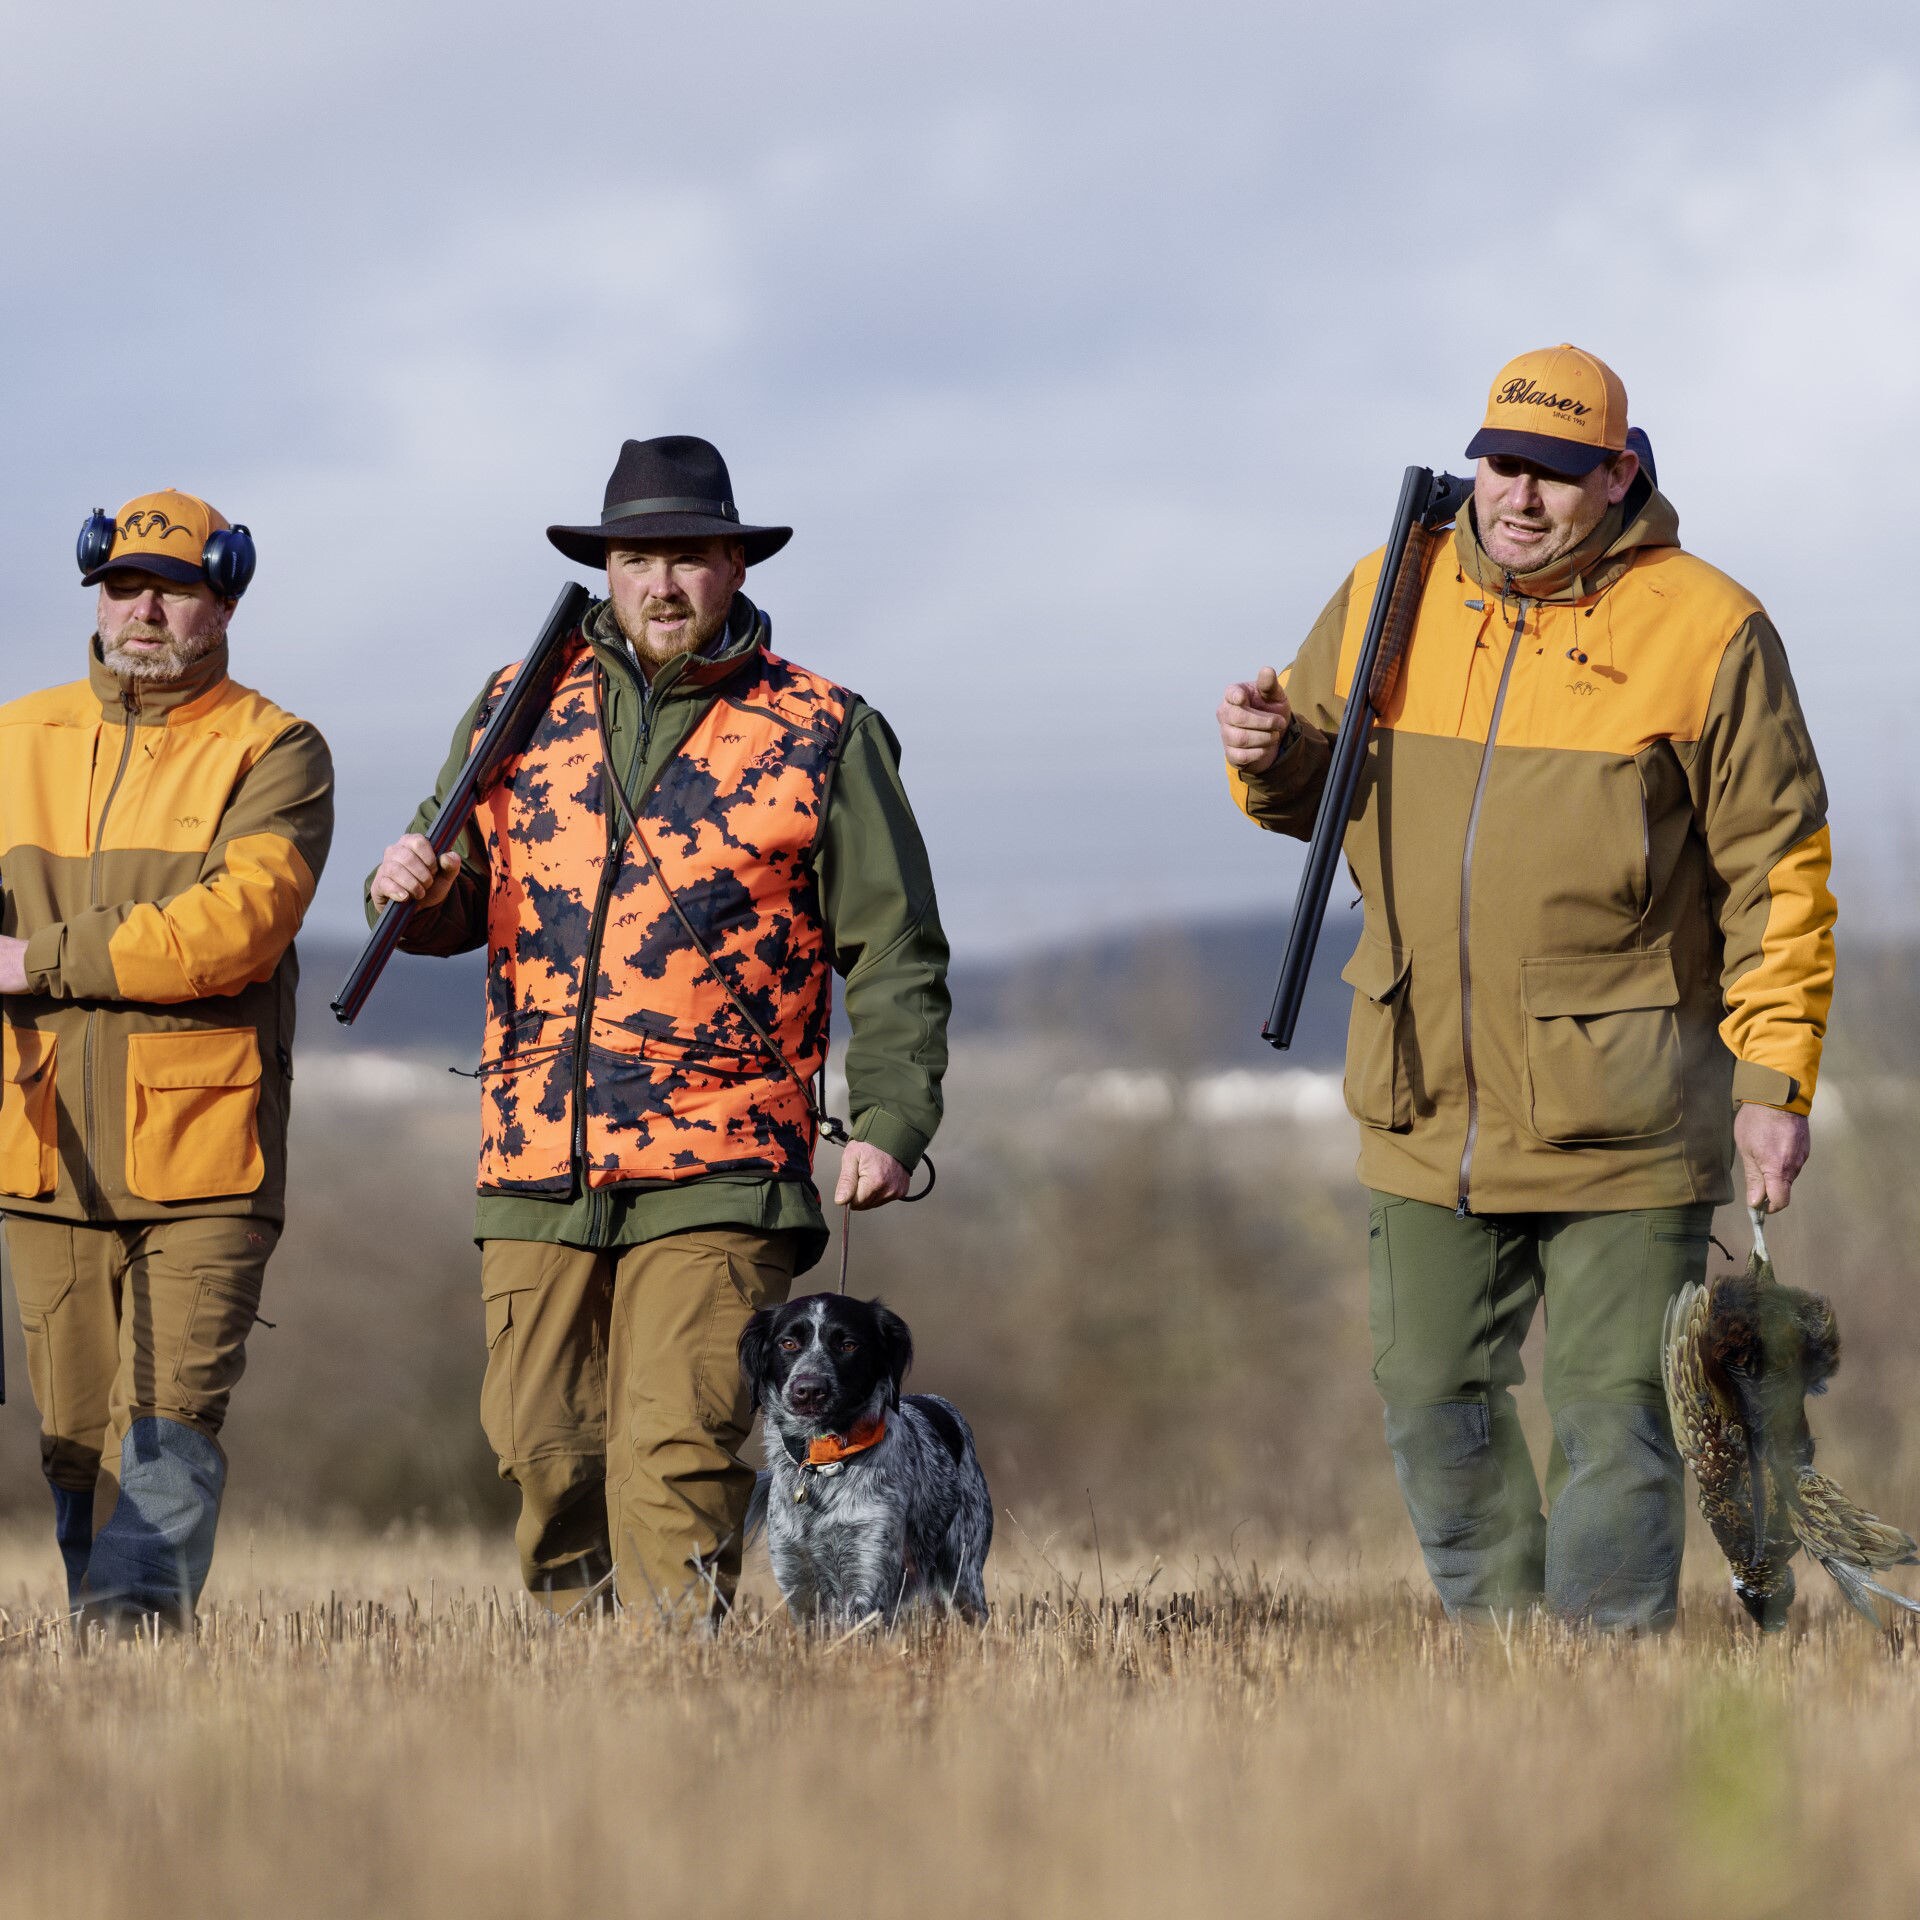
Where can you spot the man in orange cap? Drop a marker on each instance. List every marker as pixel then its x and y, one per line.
pixel 162 829
pixel 1597 958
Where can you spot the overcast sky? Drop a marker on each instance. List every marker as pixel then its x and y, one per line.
pixel 1082 345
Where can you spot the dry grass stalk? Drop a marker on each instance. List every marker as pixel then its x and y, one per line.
pixel 388 1728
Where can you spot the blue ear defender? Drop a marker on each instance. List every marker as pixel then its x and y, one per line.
pixel 96 540
pixel 228 558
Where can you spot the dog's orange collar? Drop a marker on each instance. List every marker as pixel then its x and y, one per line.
pixel 829 1450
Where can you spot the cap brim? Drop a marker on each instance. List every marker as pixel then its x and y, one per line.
pixel 1569 458
pixel 587 546
pixel 165 565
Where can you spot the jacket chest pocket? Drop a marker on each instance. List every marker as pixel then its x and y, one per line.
pixel 1379 1082
pixel 29 1119
pixel 193 1102
pixel 1602 1046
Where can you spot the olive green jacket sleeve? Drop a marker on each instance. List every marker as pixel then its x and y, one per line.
pixel 1762 806
pixel 1285 797
pixel 459 923
pixel 877 900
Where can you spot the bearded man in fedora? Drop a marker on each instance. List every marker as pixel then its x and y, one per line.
pixel 697 836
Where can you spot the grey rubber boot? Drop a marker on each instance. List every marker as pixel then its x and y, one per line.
pixel 1471 1494
pixel 73 1530
pixel 1618 1523
pixel 153 1554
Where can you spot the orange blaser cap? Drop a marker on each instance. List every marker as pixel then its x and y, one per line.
pixel 164 533
pixel 1560 406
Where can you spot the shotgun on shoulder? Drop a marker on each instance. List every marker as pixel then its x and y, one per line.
pixel 1428 504
pixel 505 734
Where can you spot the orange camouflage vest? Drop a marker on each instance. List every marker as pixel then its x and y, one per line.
pixel 647 1072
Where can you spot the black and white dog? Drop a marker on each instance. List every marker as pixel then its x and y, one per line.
pixel 872 1502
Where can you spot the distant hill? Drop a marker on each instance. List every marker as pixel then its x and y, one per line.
pixel 1183 995
pixel 1186 995
pixel 420 1005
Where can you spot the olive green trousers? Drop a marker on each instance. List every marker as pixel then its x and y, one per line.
pixel 614 1401
pixel 1450 1300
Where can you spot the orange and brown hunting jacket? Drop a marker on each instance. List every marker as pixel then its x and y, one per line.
pixel 623 1094
pixel 1592 848
pixel 159 846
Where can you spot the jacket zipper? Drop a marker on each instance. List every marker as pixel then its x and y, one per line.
pixel 589 978
pixel 596 933
pixel 1646 851
pixel 649 697
pixel 581 1036
pixel 1466 906
pixel 130 707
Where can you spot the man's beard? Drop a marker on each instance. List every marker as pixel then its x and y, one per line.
pixel 692 638
pixel 169 662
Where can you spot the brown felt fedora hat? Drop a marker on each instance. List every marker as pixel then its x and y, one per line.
pixel 673 488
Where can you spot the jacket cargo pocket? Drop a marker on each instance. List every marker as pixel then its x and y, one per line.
pixel 193 1102
pixel 29 1120
pixel 1602 1045
pixel 1379 1081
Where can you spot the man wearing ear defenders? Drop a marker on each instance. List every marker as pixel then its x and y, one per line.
pixel 162 829
pixel 1597 960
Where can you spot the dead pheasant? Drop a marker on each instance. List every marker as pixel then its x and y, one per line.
pixel 1741 1355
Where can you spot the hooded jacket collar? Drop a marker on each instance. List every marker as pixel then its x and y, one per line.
pixel 150 702
pixel 1639 521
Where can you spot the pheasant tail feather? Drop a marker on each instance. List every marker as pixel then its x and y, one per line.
pixel 1862 1589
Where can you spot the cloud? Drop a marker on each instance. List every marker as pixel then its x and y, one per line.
pixel 1084 355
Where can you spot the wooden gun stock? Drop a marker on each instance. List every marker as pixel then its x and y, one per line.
pixel 1427 506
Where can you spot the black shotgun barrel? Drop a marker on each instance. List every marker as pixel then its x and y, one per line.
pixel 1427 503
pixel 514 717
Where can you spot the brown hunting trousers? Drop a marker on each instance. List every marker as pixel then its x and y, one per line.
pixel 135 1337
pixel 123 1323
pixel 614 1401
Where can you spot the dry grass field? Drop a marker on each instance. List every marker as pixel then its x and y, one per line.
pixel 1146 1287
pixel 382 1728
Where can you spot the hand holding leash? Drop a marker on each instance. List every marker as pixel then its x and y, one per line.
pixel 869 1177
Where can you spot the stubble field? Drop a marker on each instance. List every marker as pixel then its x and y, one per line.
pixel 1143 1278
pixel 369 1728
